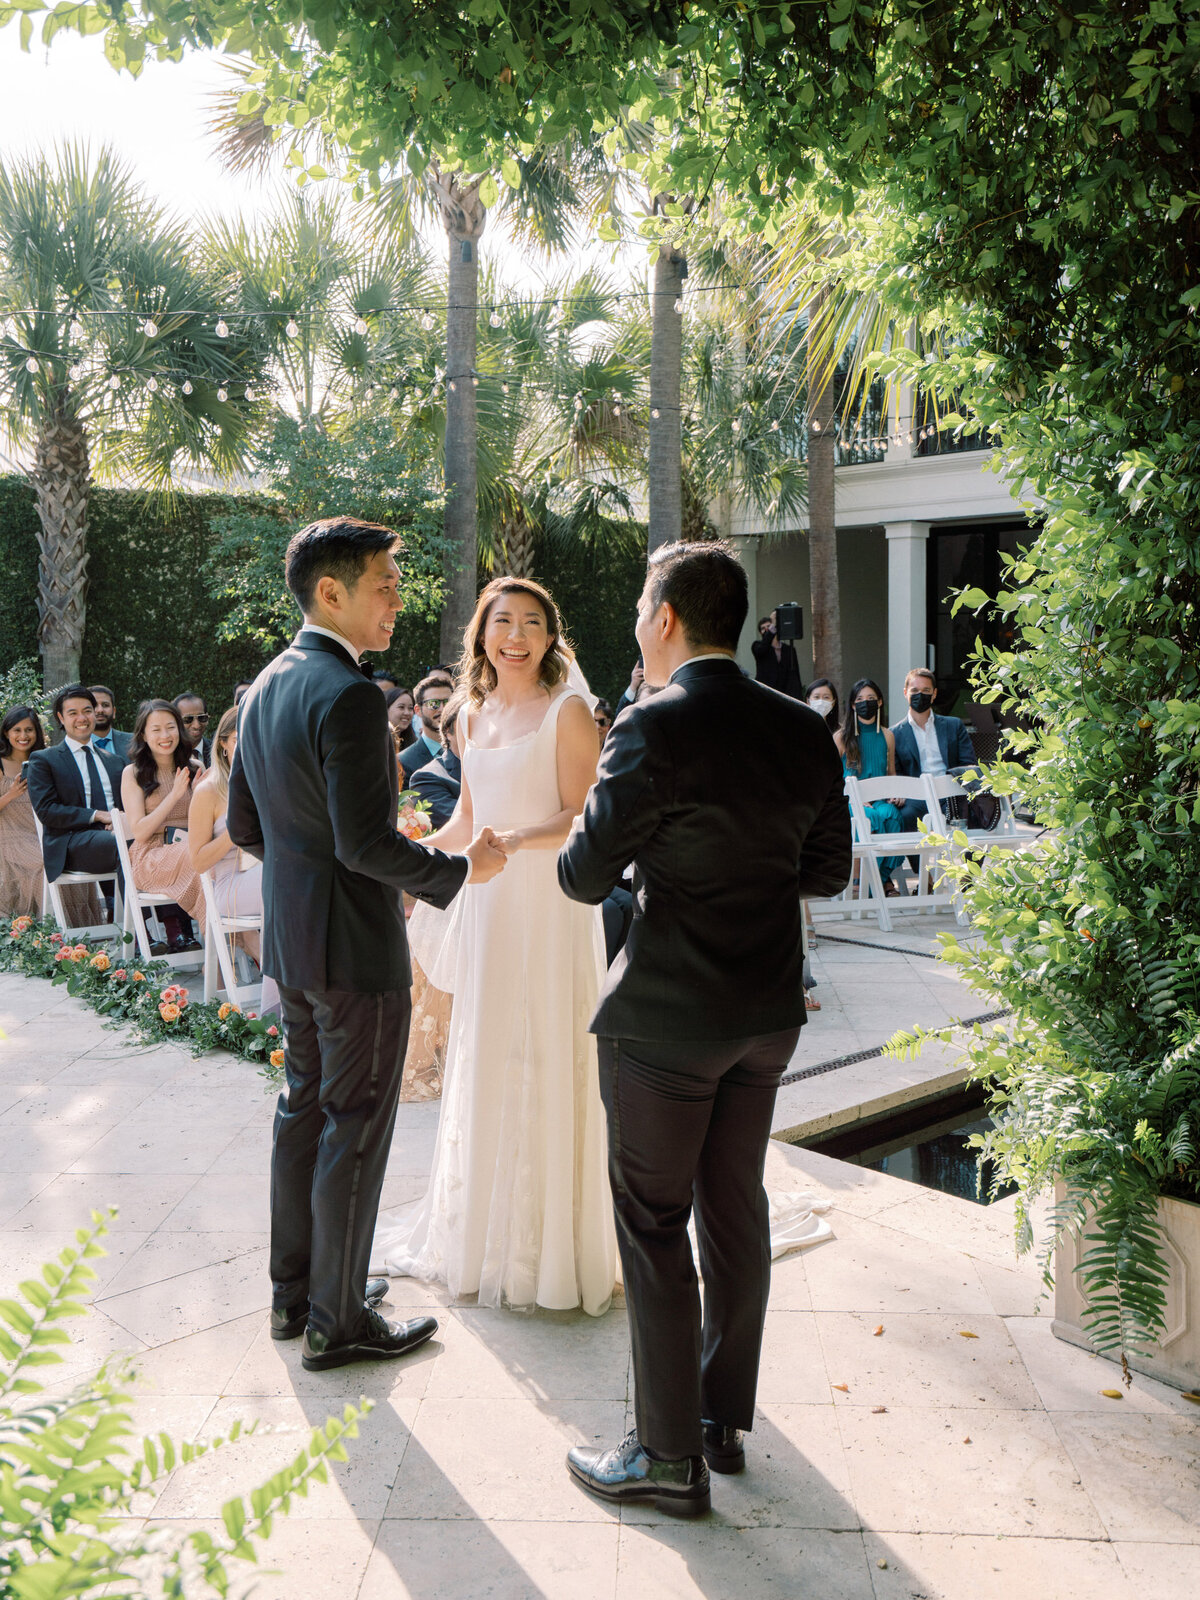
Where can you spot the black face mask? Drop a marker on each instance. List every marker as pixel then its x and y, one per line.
pixel 866 710
pixel 920 700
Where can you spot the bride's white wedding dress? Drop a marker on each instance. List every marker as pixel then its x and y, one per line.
pixel 518 1209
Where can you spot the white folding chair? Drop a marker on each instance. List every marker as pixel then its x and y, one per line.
pixel 138 901
pixel 220 957
pixel 871 847
pixel 1008 834
pixel 52 900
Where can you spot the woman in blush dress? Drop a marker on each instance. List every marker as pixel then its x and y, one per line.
pixel 236 876
pixel 156 787
pixel 518 1209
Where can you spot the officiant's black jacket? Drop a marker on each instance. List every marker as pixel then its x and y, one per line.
pixel 725 846
pixel 313 791
pixel 56 794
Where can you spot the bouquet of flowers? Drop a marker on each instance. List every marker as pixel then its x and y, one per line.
pixel 414 820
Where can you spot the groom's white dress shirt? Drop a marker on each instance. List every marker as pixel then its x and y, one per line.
pixel 77 750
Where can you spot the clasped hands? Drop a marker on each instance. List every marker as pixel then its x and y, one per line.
pixel 487 855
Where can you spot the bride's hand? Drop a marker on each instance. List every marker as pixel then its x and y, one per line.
pixel 510 841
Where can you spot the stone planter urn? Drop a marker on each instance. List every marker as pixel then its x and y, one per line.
pixel 1176 1358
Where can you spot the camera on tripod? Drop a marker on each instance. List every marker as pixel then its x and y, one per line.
pixel 789 621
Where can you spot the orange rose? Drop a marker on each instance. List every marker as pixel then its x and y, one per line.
pixel 101 962
pixel 81 951
pixel 168 1012
pixel 276 1058
pixel 139 977
pixel 227 1009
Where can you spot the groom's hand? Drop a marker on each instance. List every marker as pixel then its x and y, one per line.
pixel 486 857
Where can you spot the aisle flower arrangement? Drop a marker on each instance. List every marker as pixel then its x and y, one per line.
pixel 147 997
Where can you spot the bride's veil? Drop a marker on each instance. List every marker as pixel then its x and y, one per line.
pixel 577 681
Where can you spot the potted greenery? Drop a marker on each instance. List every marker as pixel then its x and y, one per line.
pixel 69 1467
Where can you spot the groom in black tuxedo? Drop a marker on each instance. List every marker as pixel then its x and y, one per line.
pixel 313 792
pixel 702 1010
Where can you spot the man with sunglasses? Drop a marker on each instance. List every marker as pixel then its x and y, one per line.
pixel 193 713
pixel 431 695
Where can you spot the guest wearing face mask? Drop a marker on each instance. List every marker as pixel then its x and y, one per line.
pixel 822 697
pixel 868 750
pixel 926 742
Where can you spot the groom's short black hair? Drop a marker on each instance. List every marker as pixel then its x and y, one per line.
pixel 336 547
pixel 706 584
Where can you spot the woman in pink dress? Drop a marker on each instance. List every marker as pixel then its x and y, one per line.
pixel 156 787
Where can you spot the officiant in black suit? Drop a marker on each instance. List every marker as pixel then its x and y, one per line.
pixel 702 1011
pixel 74 789
pixel 313 792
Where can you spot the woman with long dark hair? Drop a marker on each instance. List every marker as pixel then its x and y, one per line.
pixel 400 708
pixel 868 750
pixel 156 787
pixel 21 733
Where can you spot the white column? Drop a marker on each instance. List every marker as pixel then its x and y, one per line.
pixel 746 546
pixel 906 542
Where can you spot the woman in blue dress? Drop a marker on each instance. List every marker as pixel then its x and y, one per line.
pixel 868 750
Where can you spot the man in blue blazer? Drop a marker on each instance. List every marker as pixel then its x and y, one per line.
pixel 107 738
pixel 926 742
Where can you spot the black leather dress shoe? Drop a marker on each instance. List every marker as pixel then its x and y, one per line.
pixel 626 1474
pixel 377 1340
pixel 291 1322
pixel 723 1448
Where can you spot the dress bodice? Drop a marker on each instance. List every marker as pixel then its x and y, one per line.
pixel 873 754
pixel 18 812
pixel 516 785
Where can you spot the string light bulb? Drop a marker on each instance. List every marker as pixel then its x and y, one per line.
pixel 360 326
pixel 222 329
pixel 495 319
pixel 222 395
pixel 504 388
pixel 452 386
pixel 152 384
pixel 418 394
pixel 150 328
pixel 76 373
pixel 393 394
pixel 293 328
pixel 816 427
pixel 775 426
pixel 187 386
pixel 655 412
pixel 31 364
pixel 617 410
pixel 474 383
pixel 679 308
pixel 427 322
pixel 736 426
pixel 76 328
pixel 114 382
pixel 249 392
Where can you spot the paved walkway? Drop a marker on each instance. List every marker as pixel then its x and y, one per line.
pixel 908 1463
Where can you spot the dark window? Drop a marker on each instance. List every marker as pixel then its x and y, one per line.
pixel 962 556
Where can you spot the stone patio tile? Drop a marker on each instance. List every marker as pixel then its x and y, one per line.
pixel 81 1105
pixel 954 1567
pixel 922 1359
pixel 1014 1291
pixel 789 1280
pixel 34 1145
pixel 210 1357
pixel 793 1365
pixel 1163 1571
pixel 872 1268
pixel 272 1367
pixel 911 1471
pixel 155 1146
pixel 220 1201
pixel 95 1338
pixel 248 1154
pixel 120 1060
pixel 795 1475
pixel 947 1219
pixel 1142 1471
pixel 509 1560
pixel 17 1189
pixel 358 1487
pixel 331 1552
pixel 858 1191
pixel 502 1460
pixel 193 1300
pixel 23 1253
pixel 712 1561
pixel 412 1150
pixel 68 1200
pixel 171 1255
pixel 546 1356
pixel 402 1190
pixel 1071 1379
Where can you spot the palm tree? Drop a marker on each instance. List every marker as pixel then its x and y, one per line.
pixel 111 361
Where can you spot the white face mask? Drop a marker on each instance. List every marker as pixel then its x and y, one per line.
pixel 821 706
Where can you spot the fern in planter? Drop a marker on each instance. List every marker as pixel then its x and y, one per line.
pixel 70 1467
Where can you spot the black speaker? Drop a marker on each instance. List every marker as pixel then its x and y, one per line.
pixel 789 621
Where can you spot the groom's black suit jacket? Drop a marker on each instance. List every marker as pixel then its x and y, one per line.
pixel 313 791
pixel 720 866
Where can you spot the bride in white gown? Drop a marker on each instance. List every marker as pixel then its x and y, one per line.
pixel 518 1209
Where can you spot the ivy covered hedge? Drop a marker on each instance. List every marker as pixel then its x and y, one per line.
pixel 152 624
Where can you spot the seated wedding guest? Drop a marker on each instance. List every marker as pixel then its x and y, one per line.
pixel 385 680
pixel 868 750
pixel 431 694
pixel 239 690
pixel 106 737
pixel 74 789
pixel 926 742
pixel 193 717
pixel 822 697
pixel 157 787
pixel 603 713
pixel 440 781
pixel 236 876
pixel 400 708
pixel 20 855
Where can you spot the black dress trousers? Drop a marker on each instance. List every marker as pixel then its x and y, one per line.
pixel 344 1062
pixel 688 1125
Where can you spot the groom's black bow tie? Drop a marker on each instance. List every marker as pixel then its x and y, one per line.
pixel 365 667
